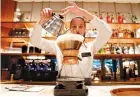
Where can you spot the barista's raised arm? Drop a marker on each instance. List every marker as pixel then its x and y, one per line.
pixel 77 11
pixel 103 35
pixel 36 39
pixel 104 30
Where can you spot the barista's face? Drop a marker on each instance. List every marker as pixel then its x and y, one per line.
pixel 78 26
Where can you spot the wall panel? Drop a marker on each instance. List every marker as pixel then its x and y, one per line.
pixel 7 10
pixel 36 11
pixel 136 10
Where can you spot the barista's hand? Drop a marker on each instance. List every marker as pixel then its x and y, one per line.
pixel 45 15
pixel 77 11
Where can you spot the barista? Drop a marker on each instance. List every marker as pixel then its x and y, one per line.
pixel 77 26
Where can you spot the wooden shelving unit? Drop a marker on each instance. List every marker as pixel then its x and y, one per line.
pixel 23 40
pixel 88 39
pixel 20 41
pixel 17 24
pixel 7 25
pixel 96 56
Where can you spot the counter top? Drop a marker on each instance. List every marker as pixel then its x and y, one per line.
pixel 94 83
pixel 47 90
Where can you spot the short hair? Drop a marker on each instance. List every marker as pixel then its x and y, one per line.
pixel 79 18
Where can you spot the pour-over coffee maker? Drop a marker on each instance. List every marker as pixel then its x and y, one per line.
pixel 69 45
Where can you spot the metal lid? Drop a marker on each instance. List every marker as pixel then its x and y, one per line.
pixel 70 79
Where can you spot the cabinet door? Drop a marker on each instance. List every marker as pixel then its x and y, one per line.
pixel 7 10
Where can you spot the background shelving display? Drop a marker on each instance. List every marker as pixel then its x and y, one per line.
pixel 7 26
pixel 31 11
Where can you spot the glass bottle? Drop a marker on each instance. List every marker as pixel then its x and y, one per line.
pixel 119 18
pixel 108 18
pixel 112 19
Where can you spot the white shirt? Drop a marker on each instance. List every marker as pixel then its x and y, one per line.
pixel 84 68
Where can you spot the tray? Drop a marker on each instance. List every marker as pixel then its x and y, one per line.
pixel 125 92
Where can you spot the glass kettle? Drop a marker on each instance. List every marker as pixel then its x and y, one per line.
pixel 54 25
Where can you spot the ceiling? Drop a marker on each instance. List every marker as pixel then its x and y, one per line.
pixel 117 1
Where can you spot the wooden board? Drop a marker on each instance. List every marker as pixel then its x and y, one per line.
pixel 125 92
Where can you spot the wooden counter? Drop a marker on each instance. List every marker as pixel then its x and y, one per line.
pixel 47 90
pixel 94 83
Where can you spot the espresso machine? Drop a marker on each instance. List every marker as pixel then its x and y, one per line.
pixel 66 85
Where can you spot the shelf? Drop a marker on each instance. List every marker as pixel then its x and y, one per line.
pixel 125 23
pixel 28 54
pixel 31 24
pixel 136 56
pixel 17 24
pixel 97 56
pixel 110 56
pixel 20 41
pixel 124 40
pixel 117 23
pixel 118 40
pixel 14 39
pixel 131 26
